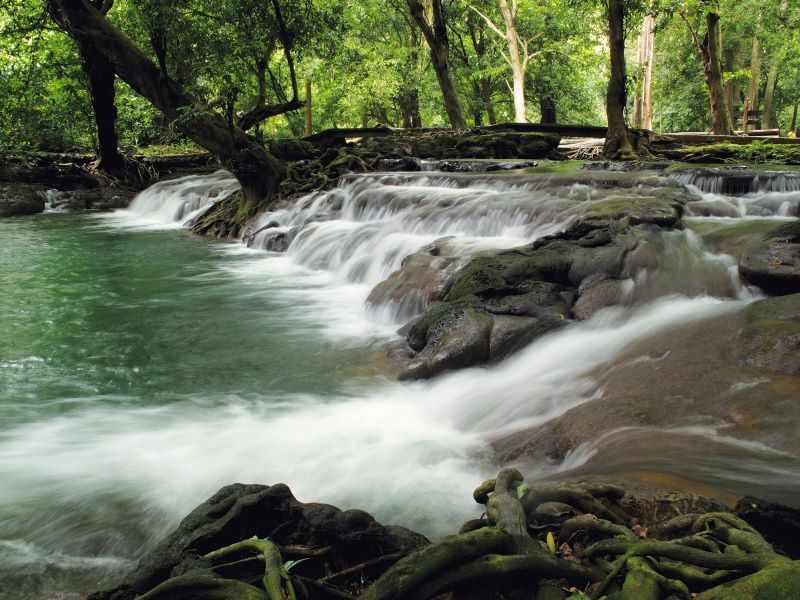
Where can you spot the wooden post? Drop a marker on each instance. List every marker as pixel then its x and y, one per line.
pixel 745 115
pixel 308 129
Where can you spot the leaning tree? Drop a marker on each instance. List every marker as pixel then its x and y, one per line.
pixel 256 169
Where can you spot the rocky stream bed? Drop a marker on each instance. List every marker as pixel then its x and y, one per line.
pixel 569 305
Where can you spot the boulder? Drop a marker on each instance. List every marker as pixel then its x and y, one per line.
pixel 503 300
pixel 740 369
pixel 20 199
pixel 778 523
pixel 774 264
pixel 239 511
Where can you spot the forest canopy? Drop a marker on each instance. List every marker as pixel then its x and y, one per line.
pixel 371 62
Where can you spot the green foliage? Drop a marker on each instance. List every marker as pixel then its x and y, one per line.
pixel 368 63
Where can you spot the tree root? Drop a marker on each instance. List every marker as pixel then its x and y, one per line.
pixel 276 580
pixel 503 552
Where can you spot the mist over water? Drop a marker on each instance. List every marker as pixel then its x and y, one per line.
pixel 142 368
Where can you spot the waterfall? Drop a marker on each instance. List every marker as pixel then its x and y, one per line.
pixel 175 202
pixel 737 194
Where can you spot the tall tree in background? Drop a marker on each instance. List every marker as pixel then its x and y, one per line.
pixel 643 103
pixel 435 33
pixel 617 144
pixel 710 49
pixel 100 76
pixel 517 55
pixel 258 171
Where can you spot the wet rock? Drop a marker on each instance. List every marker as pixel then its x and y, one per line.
pixel 741 370
pixel 663 212
pixel 462 339
pixel 519 294
pixel 421 280
pixel 21 199
pixel 599 294
pixel 239 511
pixel 512 333
pixel 778 523
pixel 472 166
pixel 406 164
pixel 774 264
pixel 625 166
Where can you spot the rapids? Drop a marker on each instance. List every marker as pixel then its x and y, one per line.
pixel 141 369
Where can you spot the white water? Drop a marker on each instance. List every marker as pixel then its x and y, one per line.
pixel 175 202
pixel 375 448
pixel 729 194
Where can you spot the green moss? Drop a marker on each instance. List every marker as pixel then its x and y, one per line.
pixel 788 233
pixel 780 581
pixel 757 152
pixel 656 211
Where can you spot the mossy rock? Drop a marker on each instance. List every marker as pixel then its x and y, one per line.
pixel 774 264
pixel 780 581
pixel 663 212
pixel 785 233
pixel 20 199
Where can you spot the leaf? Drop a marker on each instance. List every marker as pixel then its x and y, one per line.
pixel 292 563
pixel 551 543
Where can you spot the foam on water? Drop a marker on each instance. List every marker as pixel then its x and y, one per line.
pixel 173 203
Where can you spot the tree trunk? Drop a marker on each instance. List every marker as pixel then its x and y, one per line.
pixel 547 107
pixel 517 66
pixel 712 71
pixel 436 37
pixel 409 107
pixel 617 144
pixel 732 88
pixel 643 103
pixel 308 128
pixel 486 96
pixel 768 116
pixel 793 126
pixel 477 107
pixel 258 171
pixel 755 75
pixel 100 73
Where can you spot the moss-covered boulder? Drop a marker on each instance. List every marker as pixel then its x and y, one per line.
pixel 774 264
pixel 20 199
pixel 501 301
pixel 238 512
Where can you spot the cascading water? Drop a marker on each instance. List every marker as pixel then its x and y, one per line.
pixel 228 363
pixel 738 194
pixel 175 202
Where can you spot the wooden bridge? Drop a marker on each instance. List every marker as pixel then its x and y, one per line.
pixel 339 136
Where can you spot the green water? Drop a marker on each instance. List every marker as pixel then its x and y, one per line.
pixel 114 344
pixel 135 317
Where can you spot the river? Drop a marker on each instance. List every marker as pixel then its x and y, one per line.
pixel 143 367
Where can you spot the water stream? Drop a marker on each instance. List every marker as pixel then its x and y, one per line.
pixel 142 368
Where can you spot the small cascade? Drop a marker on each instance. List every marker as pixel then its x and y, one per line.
pixel 676 262
pixel 402 234
pixel 739 182
pixel 176 202
pixel 742 193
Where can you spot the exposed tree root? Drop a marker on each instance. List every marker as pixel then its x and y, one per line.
pixel 601 550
